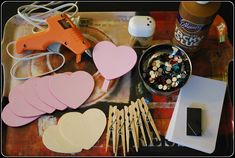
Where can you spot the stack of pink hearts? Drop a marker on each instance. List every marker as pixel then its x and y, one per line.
pixel 38 96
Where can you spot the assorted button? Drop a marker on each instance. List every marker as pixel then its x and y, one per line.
pixel 168 70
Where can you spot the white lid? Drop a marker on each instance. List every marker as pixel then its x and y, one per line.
pixel 202 2
pixel 141 26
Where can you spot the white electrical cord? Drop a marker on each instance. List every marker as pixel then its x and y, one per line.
pixel 31 57
pixel 37 20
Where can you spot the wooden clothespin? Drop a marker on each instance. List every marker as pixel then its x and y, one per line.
pixel 121 131
pixel 150 118
pixel 112 127
pixel 130 128
pixel 144 117
pixel 138 122
pixel 134 117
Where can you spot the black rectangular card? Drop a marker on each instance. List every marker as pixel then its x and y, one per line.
pixel 193 121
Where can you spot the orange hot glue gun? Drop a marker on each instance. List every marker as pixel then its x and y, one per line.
pixel 60 29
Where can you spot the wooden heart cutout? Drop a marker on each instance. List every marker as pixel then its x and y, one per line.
pixel 82 130
pixel 53 140
pixel 72 90
pixel 112 61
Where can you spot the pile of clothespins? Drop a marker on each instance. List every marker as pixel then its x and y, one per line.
pixel 133 120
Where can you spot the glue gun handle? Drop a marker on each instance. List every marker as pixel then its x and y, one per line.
pixel 37 41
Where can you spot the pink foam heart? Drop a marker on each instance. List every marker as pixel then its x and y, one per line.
pixel 13 120
pixel 112 61
pixel 19 106
pixel 45 95
pixel 32 98
pixel 72 90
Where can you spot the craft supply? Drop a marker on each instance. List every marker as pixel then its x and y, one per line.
pixel 137 116
pixel 112 61
pixel 111 127
pixel 82 130
pixel 12 119
pixel 130 128
pixel 75 131
pixel 121 131
pixel 53 140
pixel 147 116
pixel 31 97
pixel 38 20
pixel 19 106
pixel 203 93
pixel 141 29
pixel 60 29
pixel 138 123
pixel 172 70
pixel 72 90
pixel 82 84
pixel 193 23
pixel 193 121
pixel 27 12
pixel 44 94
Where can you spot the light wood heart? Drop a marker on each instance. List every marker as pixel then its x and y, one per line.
pixel 82 130
pixel 53 140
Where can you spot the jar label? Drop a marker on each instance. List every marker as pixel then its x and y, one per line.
pixel 190 26
pixel 187 40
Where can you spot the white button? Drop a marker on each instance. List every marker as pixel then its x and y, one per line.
pixel 154 68
pixel 164 87
pixel 158 65
pixel 174 79
pixel 151 72
pixel 178 76
pixel 176 58
pixel 153 76
pixel 168 68
pixel 159 86
pixel 156 73
pixel 179 60
pixel 168 81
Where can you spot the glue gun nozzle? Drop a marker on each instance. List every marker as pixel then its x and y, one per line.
pixel 88 52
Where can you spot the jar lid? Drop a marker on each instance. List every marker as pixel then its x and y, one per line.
pixel 202 2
